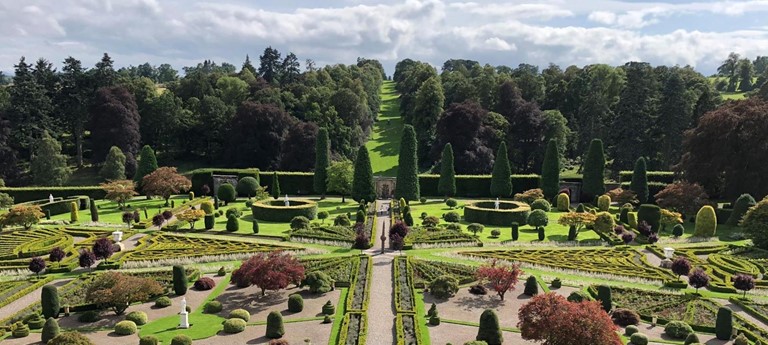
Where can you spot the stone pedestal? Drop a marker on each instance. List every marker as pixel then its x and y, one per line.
pixel 184 319
pixel 666 263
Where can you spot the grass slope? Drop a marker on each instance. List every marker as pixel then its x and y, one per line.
pixel 384 143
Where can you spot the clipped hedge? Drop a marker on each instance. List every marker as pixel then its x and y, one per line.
pixel 666 177
pixel 125 328
pixel 234 325
pixel 476 185
pixel 484 212
pixel 25 194
pixel 276 211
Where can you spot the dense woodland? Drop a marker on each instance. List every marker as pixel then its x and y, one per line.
pixel 266 116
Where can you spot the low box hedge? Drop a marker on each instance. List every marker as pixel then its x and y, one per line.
pixel 25 194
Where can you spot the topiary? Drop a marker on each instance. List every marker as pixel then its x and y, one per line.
pixel 741 339
pixel 232 224
pixel 452 203
pixel 138 317
pixel 434 320
pixel 604 296
pixel 240 314
pixel 35 321
pixel 222 272
pixel 275 325
pixel 70 338
pixel 557 283
pixel 207 207
pixel 631 329
pixel 247 186
pixel 625 317
pixel 604 223
pixel 233 211
pixel 444 286
pixel 531 286
pixel 318 282
pixel 19 330
pixel 299 222
pixel 179 280
pixel 210 221
pixel 563 202
pixel 624 215
pixel 125 328
pixel 638 339
pixel 478 290
pixel 181 339
pixel 541 234
pixel 489 330
pixel 706 222
pixel 163 302
pixel 495 233
pixel 50 330
pixel 148 340
pixel 678 329
pixel 342 220
pixel 515 231
pixel 538 218
pixel 295 303
pixel 691 339
pixel 212 307
pixel 432 310
pixel 678 230
pixel 651 214
pixel 604 203
pixel 724 323
pixel 234 325
pixel 452 217
pixel 740 208
pixel 74 215
pixel 541 204
pixel 632 219
pixel 327 319
pixel 226 193
pixel 49 300
pixel 89 316
pixel 572 233
pixel 328 308
pixel 205 283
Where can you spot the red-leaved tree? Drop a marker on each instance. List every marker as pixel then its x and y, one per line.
pixel 556 321
pixel 683 197
pixel 698 279
pixel 744 282
pixel 165 181
pixel 500 277
pixel 272 271
pixel 681 266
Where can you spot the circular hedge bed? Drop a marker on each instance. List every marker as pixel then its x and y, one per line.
pixel 276 211
pixel 485 212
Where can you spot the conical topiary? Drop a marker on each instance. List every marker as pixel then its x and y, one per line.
pixel 275 325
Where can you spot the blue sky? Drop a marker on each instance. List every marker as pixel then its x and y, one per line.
pixel 184 32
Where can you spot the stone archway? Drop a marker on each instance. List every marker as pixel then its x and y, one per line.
pixel 385 186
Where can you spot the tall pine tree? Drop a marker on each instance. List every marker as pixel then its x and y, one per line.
pixel 637 106
pixel 639 183
pixel 446 186
pixel 29 110
pixel 593 183
pixel 72 102
pixel 550 171
pixel 322 151
pixel 501 178
pixel 675 116
pixel 362 182
pixel 147 164
pixel 407 186
pixel 48 166
pixel 114 166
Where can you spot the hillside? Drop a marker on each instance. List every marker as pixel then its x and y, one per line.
pixel 384 143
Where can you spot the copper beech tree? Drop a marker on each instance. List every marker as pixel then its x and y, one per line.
pixel 269 271
pixel 118 291
pixel 165 181
pixel 500 277
pixel 556 321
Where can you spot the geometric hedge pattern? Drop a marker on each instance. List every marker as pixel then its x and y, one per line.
pixel 167 246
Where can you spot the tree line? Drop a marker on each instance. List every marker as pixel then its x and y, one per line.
pixel 262 116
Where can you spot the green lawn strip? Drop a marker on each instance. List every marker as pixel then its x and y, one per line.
pixel 341 310
pixel 384 143
pixel 109 212
pixel 475 324
pixel 421 319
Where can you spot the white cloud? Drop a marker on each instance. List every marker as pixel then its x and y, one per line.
pixel 602 17
pixel 495 43
pixel 528 11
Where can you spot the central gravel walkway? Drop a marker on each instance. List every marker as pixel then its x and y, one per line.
pixel 381 308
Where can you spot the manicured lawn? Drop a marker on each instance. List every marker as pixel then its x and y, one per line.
pixel 384 143
pixel 553 231
pixel 109 213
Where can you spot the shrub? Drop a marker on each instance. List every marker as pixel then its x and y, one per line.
pixel 35 321
pixel 328 308
pixel 295 303
pixel 247 186
pixel 678 329
pixel 209 221
pixel 489 330
pixel 434 320
pixel 631 329
pixel 212 307
pixel 625 317
pixel 515 231
pixel 205 283
pixel 207 207
pixel 452 217
pixel 452 203
pixel 226 193
pixel 233 211
pixel 650 214
pixel 318 282
pixel 594 171
pixel 342 220
pixel 50 330
pixel 557 283
pixel 604 223
pixel 70 338
pixel 741 339
pixel 234 325
pixel 327 319
pixel 19 330
pixel 604 203
pixel 678 230
pixel 444 286
pixel 538 218
pixel 604 296
pixel 360 217
pixel 474 228
pixel 430 221
pixel 179 280
pixel 125 328
pixel 149 340
pixel 49 300
pixel 624 215
pixel 632 220
pixel 563 202
pixel 275 325
pixel 478 290
pixel 163 302
pixel 740 208
pixel 232 224
pixel 706 222
pixel 241 314
pixel 638 339
pixel 724 323
pixel 541 204
pixel 495 233
pixel 138 317
pixel 89 316
pixel 691 339
pixel 531 286
pixel 181 339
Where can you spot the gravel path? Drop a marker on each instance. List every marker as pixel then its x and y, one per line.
pixel 654 260
pixel 32 297
pixel 381 308
pixel 131 242
pixel 739 310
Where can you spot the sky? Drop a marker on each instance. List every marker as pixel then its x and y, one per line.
pixel 497 32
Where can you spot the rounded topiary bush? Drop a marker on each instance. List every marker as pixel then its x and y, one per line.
pixel 70 338
pixel 205 283
pixel 452 217
pixel 651 214
pixel 207 207
pixel 300 222
pixel 232 223
pixel 125 328
pixel 89 316
pixel 541 204
pixel 275 327
pixel 706 222
pixel 234 325
pixel 276 211
pixel 604 203
pixel 247 186
pixel 678 230
pixel 138 317
pixel 50 330
pixel 36 321
pixel 241 314
pixel 19 330
pixel 638 339
pixel 295 303
pixel 148 340
pixel 631 329
pixel 181 339
pixel 162 302
pixel 563 202
pixel 625 317
pixel 678 329
pixel 212 307
pixel 484 212
pixel 226 193
pixel 451 202
pixel 691 339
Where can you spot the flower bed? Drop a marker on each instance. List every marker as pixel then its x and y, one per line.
pixel 357 299
pixel 484 212
pixel 354 329
pixel 404 292
pixel 276 211
pixel 407 330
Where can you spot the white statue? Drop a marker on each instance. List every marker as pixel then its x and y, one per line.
pixel 50 197
pixel 183 304
pixel 496 203
pixel 184 315
pixel 287 203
